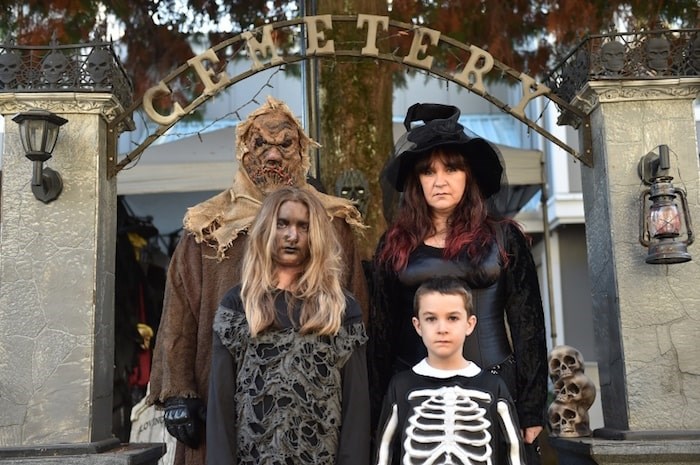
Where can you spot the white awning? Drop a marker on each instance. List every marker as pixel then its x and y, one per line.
pixel 523 166
pixel 201 162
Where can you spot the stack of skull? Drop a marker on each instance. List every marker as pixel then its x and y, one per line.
pixel 574 393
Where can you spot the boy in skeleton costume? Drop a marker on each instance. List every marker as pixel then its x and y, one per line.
pixel 446 409
pixel 272 151
pixel 289 376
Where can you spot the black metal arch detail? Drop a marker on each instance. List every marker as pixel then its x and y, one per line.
pixel 239 41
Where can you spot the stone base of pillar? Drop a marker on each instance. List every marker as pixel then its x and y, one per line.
pixel 615 447
pixel 107 452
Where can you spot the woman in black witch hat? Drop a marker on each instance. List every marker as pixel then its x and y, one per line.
pixel 443 227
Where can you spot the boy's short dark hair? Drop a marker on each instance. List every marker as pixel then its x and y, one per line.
pixel 445 286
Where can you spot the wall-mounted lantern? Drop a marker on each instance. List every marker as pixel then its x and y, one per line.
pixel 664 224
pixel 38 130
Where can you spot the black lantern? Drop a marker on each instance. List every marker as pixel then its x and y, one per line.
pixel 38 130
pixel 664 224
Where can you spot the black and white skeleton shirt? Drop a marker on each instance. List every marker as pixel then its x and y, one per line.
pixel 283 397
pixel 460 417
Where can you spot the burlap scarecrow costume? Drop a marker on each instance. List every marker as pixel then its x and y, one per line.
pixel 272 150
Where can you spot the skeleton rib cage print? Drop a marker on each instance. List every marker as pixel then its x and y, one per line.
pixel 451 425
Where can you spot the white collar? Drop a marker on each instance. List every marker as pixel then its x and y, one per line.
pixel 424 369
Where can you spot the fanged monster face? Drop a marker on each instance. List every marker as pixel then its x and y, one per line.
pixel 613 56
pixel 273 158
pixel 658 51
pixel 352 185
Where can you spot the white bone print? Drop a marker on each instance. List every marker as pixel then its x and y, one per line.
pixel 448 428
pixel 385 445
pixel 511 432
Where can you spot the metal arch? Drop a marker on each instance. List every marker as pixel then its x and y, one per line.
pixel 238 40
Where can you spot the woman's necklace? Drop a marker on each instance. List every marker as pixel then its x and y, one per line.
pixel 437 239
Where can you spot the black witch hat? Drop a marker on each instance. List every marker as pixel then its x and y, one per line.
pixel 442 129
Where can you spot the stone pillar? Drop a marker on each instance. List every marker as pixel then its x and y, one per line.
pixel 57 291
pixel 57 261
pixel 647 317
pixel 57 280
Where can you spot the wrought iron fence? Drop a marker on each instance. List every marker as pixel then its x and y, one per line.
pixel 90 67
pixel 657 54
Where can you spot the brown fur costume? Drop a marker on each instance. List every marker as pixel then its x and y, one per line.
pixel 206 264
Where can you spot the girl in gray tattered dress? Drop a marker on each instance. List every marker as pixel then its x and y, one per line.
pixel 288 381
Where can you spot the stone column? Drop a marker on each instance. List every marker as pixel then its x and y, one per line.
pixel 57 261
pixel 57 291
pixel 57 280
pixel 647 317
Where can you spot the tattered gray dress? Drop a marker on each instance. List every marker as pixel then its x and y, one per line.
pixel 283 397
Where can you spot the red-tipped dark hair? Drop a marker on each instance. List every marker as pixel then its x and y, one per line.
pixel 470 227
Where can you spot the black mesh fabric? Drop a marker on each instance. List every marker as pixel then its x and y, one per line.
pixel 288 390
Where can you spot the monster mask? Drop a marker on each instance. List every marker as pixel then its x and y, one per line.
pixel 273 151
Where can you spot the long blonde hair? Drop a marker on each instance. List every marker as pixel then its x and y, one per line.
pixel 318 288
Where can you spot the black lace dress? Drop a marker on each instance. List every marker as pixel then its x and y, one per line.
pixel 287 398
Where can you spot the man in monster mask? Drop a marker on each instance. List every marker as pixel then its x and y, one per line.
pixel 272 150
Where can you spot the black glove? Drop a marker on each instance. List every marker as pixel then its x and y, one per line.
pixel 184 419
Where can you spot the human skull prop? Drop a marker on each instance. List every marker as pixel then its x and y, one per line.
pixel 352 185
pixel 563 362
pixel 568 421
pixel 99 65
pixel 54 67
pixel 10 64
pixel 577 390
